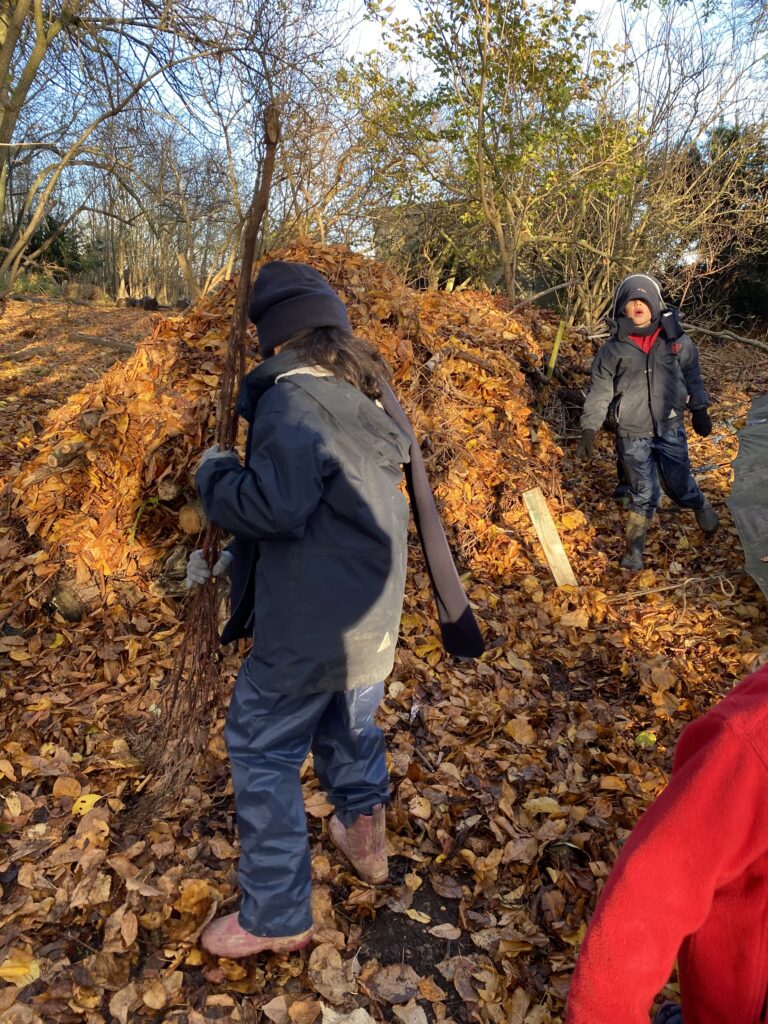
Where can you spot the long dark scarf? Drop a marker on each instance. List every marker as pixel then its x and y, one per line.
pixel 460 632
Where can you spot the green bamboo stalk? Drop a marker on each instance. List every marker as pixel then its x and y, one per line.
pixel 555 350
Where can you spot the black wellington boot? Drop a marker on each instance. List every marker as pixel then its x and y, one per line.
pixel 707 519
pixel 635 533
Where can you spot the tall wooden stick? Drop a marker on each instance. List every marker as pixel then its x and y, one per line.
pixel 555 350
pixel 234 367
pixel 195 682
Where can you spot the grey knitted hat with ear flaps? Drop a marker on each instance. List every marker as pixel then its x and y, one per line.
pixel 643 287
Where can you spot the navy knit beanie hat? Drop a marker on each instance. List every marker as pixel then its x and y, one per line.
pixel 639 286
pixel 290 297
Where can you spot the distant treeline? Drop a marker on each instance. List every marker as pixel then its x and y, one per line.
pixel 510 145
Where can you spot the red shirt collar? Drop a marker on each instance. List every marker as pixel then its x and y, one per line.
pixel 645 343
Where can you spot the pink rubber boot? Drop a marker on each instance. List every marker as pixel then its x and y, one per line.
pixel 226 938
pixel 364 844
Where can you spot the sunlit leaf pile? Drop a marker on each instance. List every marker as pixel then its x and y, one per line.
pixel 514 779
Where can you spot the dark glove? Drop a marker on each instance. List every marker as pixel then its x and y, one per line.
pixel 586 444
pixel 669 1013
pixel 701 421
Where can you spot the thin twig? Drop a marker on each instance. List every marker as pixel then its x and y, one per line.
pixel 724 578
pixel 425 759
pixel 457 353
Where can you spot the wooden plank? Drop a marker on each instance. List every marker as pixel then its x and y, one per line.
pixel 546 531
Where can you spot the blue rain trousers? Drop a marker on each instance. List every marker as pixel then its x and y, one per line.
pixel 621 490
pixel 268 737
pixel 648 460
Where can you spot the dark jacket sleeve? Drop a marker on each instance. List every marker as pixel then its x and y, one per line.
pixel 600 392
pixel 688 358
pixel 274 495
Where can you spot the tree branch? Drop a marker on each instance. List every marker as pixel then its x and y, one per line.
pixel 547 291
pixel 726 336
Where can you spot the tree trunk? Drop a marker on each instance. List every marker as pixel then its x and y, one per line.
pixel 121 270
pixel 193 288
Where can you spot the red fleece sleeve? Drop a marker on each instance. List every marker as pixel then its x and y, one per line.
pixel 707 826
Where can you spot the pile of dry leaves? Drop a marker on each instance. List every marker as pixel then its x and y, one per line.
pixel 514 778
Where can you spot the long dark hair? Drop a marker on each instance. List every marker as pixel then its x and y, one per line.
pixel 344 355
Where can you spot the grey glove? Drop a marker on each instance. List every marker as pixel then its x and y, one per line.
pixel 199 572
pixel 215 452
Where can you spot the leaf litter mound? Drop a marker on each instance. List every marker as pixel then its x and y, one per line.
pixel 515 778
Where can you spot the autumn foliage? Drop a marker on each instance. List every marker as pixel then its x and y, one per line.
pixel 514 778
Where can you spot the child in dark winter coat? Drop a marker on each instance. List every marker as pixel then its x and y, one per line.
pixel 642 379
pixel 690 883
pixel 318 573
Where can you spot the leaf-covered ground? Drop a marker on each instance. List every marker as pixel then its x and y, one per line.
pixel 42 361
pixel 515 779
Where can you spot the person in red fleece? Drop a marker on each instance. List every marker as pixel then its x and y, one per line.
pixel 691 883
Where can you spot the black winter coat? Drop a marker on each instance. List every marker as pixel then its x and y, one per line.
pixel 644 394
pixel 320 530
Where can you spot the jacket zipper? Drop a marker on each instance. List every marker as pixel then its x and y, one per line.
pixel 650 395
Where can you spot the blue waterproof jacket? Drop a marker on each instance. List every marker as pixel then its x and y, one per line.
pixel 320 528
pixel 642 394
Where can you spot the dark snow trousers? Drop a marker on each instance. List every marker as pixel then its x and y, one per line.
pixel 621 490
pixel 647 460
pixel 268 737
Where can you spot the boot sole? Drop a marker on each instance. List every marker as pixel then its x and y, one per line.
pixel 370 879
pixel 631 566
pixel 294 947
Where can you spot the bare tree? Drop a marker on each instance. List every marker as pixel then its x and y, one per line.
pixel 654 180
pixel 136 70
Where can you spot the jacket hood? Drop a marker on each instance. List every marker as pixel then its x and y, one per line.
pixel 362 418
pixel 261 378
pixel 747 703
pixel 668 321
